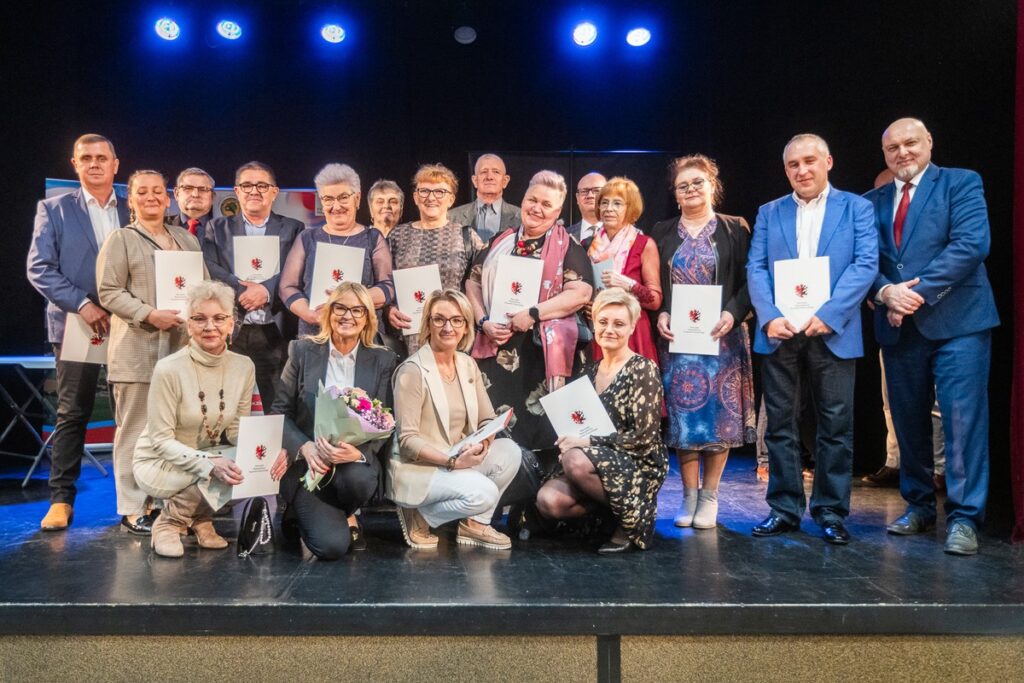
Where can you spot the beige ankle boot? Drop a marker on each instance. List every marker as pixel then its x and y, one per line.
pixel 165 538
pixel 200 518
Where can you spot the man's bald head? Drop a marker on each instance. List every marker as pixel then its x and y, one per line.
pixel 907 146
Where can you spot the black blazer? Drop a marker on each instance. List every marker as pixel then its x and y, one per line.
pixel 301 377
pixel 732 242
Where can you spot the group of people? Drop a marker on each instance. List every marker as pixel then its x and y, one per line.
pixel 181 380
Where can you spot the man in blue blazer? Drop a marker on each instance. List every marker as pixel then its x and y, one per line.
pixel 934 326
pixel 816 220
pixel 69 231
pixel 263 326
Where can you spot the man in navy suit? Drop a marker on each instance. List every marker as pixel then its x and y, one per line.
pixel 264 327
pixel 193 192
pixel 934 325
pixel 69 231
pixel 816 220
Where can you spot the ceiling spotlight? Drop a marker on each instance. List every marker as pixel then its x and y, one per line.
pixel 638 37
pixel 229 30
pixel 332 33
pixel 584 34
pixel 167 28
pixel 464 35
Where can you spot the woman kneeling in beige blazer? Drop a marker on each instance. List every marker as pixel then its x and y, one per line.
pixel 439 399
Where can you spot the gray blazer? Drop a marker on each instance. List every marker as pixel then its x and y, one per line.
pixel 61 262
pixel 467 214
pixel 300 380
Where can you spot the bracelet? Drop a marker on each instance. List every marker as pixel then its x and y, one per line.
pixel 480 323
pixel 534 313
pixel 451 463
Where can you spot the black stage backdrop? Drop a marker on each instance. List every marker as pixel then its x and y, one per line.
pixel 731 79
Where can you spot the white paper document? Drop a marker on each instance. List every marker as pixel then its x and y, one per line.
pixel 259 442
pixel 257 258
pixel 600 267
pixel 81 344
pixel 335 263
pixel 176 271
pixel 412 287
pixel 696 309
pixel 488 430
pixel 576 410
pixel 801 287
pixel 516 286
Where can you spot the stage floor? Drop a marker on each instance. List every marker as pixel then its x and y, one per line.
pixel 94 579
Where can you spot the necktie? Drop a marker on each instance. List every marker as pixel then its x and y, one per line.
pixel 192 225
pixel 901 216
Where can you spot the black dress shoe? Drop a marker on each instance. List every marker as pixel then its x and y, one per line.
pixel 909 524
pixel 140 526
pixel 613 547
pixel 885 477
pixel 358 537
pixel 835 533
pixel 773 525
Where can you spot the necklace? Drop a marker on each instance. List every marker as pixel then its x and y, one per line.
pixel 344 238
pixel 526 246
pixel 213 434
pixel 446 378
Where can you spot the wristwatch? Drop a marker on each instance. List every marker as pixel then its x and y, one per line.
pixel 534 313
pixel 451 463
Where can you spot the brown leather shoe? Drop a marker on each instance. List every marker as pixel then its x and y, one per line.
pixel 885 477
pixel 207 536
pixel 485 537
pixel 415 529
pixel 58 518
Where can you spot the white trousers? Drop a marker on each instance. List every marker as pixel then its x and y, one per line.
pixel 472 492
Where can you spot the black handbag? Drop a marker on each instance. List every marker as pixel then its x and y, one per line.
pixel 256 534
pixel 584 335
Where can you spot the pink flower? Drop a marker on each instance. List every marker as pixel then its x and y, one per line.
pixel 365 405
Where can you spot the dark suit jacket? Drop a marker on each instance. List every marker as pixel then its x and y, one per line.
pixel 204 220
pixel 219 253
pixel 300 380
pixel 61 262
pixel 946 237
pixel 574 230
pixel 732 241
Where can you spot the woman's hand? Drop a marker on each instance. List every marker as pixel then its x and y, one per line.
pixel 723 326
pixel 226 470
pixel 612 279
pixel 399 320
pixel 567 443
pixel 164 319
pixel 521 321
pixel 499 334
pixel 471 455
pixel 312 457
pixel 664 326
pixel 280 465
pixel 337 455
pixel 587 310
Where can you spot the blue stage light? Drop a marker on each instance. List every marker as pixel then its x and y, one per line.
pixel 638 37
pixel 332 33
pixel 229 29
pixel 167 28
pixel 584 34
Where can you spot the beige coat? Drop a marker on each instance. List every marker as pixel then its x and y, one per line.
pixel 174 449
pixel 126 283
pixel 421 413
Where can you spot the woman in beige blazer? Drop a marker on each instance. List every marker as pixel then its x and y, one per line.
pixel 439 399
pixel 140 335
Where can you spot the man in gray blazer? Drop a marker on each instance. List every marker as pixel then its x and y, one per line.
pixel 489 214
pixel 587 190
pixel 193 191
pixel 264 326
pixel 69 231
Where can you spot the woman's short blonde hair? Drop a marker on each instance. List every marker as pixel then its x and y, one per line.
pixel 452 296
pixel 210 290
pixel 366 337
pixel 550 179
pixel 625 188
pixel 435 173
pixel 616 296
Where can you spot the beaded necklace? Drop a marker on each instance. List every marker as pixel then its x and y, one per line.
pixel 213 434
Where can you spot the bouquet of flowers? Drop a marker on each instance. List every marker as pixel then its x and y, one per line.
pixel 347 416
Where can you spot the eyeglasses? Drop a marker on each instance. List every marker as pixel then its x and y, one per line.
pixel 189 189
pixel 697 184
pixel 357 312
pixel 248 188
pixel 439 193
pixel 457 323
pixel 613 202
pixel 329 201
pixel 587 191
pixel 201 320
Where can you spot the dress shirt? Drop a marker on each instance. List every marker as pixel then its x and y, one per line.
pixel 587 230
pixel 491 215
pixel 104 221
pixel 341 367
pixel 809 217
pixel 261 316
pixel 915 182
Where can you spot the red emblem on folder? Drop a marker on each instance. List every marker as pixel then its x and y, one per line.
pixel 694 316
pixel 337 274
pixel 801 291
pixel 517 287
pixel 261 452
pixel 179 281
pixel 578 417
pixel 256 263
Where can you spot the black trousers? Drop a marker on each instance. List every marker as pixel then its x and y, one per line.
pixel 265 346
pixel 323 513
pixel 76 395
pixel 808 359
